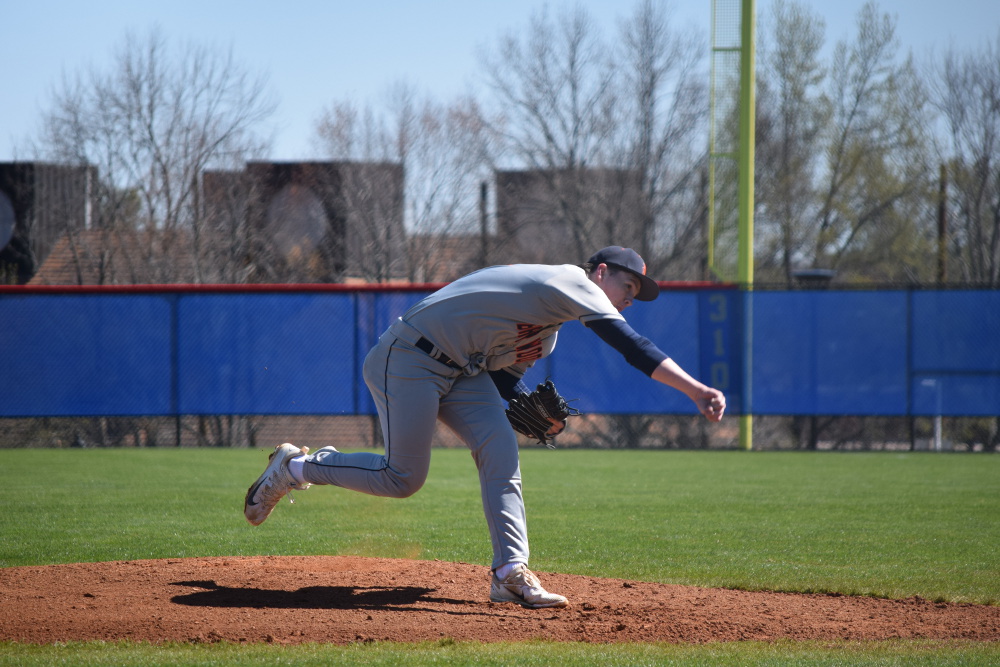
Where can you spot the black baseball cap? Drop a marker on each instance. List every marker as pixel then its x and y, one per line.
pixel 628 260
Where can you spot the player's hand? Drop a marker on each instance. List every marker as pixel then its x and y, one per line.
pixel 557 427
pixel 712 404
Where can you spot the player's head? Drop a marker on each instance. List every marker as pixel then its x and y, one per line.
pixel 625 259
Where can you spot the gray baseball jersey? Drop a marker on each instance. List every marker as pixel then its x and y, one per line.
pixel 508 316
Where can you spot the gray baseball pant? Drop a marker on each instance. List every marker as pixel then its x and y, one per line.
pixel 411 392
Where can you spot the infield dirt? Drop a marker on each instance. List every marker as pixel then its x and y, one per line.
pixel 340 600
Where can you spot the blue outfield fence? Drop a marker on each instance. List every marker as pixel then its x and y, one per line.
pixel 297 350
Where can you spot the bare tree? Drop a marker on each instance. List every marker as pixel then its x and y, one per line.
pixel 152 125
pixel 968 95
pixel 661 103
pixel 877 173
pixel 556 88
pixel 606 139
pixel 792 111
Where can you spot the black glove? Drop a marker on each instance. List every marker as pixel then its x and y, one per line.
pixel 531 414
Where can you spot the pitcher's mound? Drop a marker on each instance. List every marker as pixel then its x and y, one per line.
pixel 347 599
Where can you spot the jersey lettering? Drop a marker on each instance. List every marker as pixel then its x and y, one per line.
pixel 530 351
pixel 525 331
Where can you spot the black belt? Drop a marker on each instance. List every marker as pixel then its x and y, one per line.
pixel 428 347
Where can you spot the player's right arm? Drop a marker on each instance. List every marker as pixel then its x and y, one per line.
pixel 641 353
pixel 711 402
pixel 638 350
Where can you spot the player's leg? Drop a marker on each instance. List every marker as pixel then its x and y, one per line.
pixel 406 386
pixel 475 412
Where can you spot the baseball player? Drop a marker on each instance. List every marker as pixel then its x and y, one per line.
pixel 456 356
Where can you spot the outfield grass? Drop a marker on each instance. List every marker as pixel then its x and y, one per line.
pixel 523 654
pixel 888 524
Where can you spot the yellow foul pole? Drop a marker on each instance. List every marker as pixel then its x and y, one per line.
pixel 746 201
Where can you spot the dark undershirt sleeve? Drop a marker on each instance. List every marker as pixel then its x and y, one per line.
pixel 508 384
pixel 638 350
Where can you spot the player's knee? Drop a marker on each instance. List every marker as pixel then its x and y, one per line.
pixel 404 486
pixel 405 490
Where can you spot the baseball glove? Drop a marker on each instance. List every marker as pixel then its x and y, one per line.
pixel 529 414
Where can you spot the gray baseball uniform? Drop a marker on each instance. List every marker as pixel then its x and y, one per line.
pixel 502 317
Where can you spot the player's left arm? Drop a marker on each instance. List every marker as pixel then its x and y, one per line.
pixel 525 415
pixel 508 383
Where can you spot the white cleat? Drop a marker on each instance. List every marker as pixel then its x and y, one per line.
pixel 522 587
pixel 273 484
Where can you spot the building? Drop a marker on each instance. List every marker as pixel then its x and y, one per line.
pixel 39 203
pixel 313 221
pixel 556 216
pixel 279 222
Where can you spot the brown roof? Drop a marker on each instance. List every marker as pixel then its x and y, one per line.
pixel 101 257
pixel 104 257
pixel 440 259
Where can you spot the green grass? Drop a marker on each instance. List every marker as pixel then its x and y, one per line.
pixel 525 654
pixel 881 524
pixel 890 525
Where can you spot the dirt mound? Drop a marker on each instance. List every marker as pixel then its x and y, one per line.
pixel 347 599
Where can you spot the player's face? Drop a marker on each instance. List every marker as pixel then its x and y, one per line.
pixel 620 286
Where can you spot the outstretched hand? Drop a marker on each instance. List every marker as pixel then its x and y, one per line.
pixel 711 403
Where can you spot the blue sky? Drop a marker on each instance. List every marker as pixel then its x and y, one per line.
pixel 316 51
